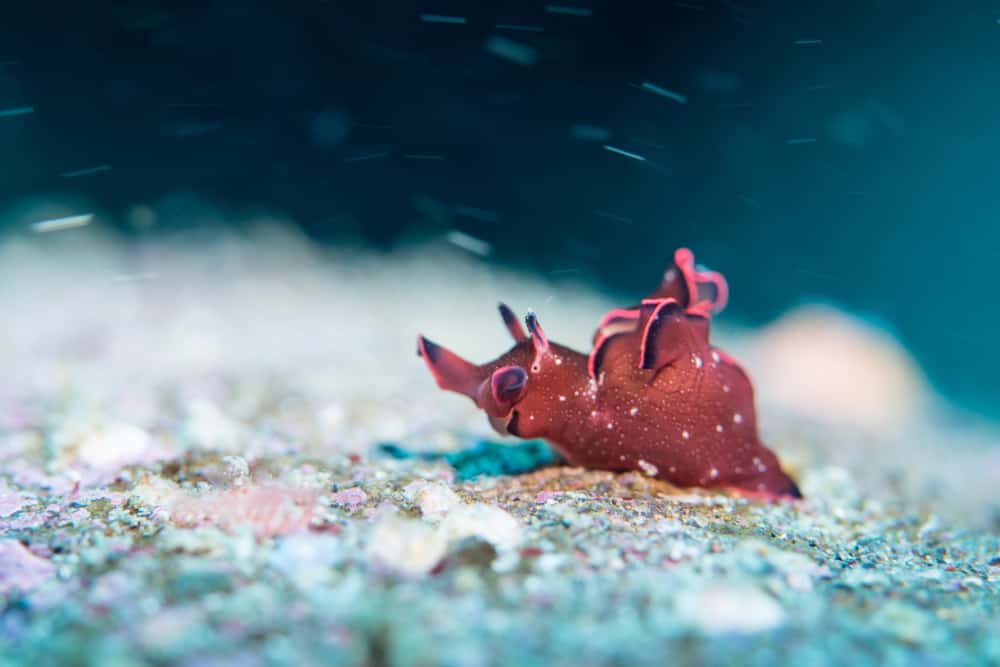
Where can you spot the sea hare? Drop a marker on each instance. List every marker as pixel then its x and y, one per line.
pixel 653 394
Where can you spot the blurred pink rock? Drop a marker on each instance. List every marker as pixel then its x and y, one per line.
pixel 11 501
pixel 266 510
pixel 821 363
pixel 20 569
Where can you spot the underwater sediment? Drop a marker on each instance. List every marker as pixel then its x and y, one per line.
pixel 193 472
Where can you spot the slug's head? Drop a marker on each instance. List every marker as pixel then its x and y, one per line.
pixel 502 387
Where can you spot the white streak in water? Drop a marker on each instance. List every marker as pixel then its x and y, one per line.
pixel 612 216
pixel 19 111
pixel 519 28
pixel 441 18
pixel 87 172
pixel 59 224
pixel 663 92
pixel 619 151
pixel 470 243
pixel 566 10
pixel 369 156
pixel 508 49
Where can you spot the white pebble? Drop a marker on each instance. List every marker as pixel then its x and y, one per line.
pixel 487 522
pixel 436 500
pixel 406 546
pixel 114 446
pixel 237 470
pixel 730 609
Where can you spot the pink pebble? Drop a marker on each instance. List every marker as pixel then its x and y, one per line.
pixel 351 498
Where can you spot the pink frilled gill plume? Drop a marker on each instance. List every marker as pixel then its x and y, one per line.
pixel 652 395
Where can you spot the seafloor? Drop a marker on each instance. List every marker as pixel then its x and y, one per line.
pixel 190 474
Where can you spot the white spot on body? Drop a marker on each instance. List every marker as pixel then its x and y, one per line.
pixel 713 473
pixel 562 398
pixel 725 388
pixel 718 427
pixel 697 360
pixel 634 411
pixel 686 435
pixel 737 418
pixel 715 356
pixel 648 468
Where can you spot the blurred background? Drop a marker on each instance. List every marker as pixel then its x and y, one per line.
pixel 841 151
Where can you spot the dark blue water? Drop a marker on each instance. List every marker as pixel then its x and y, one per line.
pixel 841 150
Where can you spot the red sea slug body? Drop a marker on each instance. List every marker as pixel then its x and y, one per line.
pixel 652 395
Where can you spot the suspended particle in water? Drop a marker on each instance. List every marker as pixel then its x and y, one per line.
pixel 519 28
pixel 619 151
pixel 366 156
pixel 59 224
pixel 18 111
pixel 469 243
pixel 508 49
pixel 614 216
pixel 442 18
pixel 567 10
pixel 663 92
pixel 90 171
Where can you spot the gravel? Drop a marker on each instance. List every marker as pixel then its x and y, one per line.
pixel 192 472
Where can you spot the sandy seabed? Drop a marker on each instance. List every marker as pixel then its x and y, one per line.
pixel 189 475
